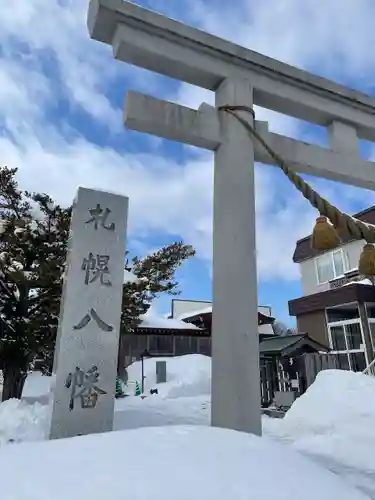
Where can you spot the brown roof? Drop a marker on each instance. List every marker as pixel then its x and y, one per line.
pixel 184 332
pixel 207 318
pixel 330 298
pixel 303 246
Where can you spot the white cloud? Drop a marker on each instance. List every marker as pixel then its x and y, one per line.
pixel 164 196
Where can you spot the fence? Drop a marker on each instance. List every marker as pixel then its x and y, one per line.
pixel 292 374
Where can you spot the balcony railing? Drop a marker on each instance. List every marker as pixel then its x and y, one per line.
pixel 349 278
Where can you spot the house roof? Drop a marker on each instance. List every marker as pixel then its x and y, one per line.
pixel 289 343
pixel 304 249
pixel 263 319
pixel 156 322
pixel 356 292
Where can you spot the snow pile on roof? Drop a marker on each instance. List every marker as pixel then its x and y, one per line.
pixel 166 463
pixel 187 376
pixel 208 309
pixel 150 320
pixel 197 312
pixel 365 281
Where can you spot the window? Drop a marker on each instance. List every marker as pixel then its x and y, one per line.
pixel 347 343
pixel 330 265
pixel 344 312
pixel 338 338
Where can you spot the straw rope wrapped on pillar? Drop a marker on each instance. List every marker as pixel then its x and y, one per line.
pixel 332 221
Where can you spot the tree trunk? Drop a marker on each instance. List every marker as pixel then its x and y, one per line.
pixel 14 380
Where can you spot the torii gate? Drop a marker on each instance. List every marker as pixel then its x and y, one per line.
pixel 238 76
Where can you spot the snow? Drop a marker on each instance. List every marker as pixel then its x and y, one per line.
pixel 20 421
pixel 198 312
pixel 364 281
pixel 208 310
pixel 150 320
pixel 187 376
pixel 333 423
pixel 330 429
pixel 196 462
pixel 129 276
pixel 36 388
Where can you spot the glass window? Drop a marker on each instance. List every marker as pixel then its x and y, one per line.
pixel 372 330
pixel 338 263
pixel 358 361
pixel 353 336
pixel 324 265
pixel 338 338
pixel 343 362
pixel 330 265
pixel 370 308
pixel 342 313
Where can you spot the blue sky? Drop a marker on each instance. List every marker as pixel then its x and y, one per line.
pixel 61 123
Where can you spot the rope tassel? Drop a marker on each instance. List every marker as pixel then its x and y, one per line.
pixel 324 235
pixel 366 264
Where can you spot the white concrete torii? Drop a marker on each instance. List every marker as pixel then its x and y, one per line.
pixel 238 76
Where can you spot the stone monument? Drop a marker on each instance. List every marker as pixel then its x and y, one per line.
pixel 239 77
pixel 85 363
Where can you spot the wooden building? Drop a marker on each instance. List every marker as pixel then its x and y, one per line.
pixel 188 333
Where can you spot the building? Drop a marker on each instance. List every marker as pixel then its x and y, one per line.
pixel 187 330
pixel 337 307
pixel 199 313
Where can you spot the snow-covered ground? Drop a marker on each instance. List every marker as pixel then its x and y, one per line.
pixel 331 425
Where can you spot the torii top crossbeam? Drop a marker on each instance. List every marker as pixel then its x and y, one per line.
pixel 155 42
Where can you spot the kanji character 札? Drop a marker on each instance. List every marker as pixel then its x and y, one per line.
pixel 98 215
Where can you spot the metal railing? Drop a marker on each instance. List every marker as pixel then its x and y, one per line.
pixel 370 370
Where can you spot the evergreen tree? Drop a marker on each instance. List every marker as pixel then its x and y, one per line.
pixel 33 242
pixel 34 234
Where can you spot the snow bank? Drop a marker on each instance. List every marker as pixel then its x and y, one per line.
pixel 22 422
pixel 333 423
pixel 36 388
pixel 336 400
pixel 169 463
pixel 187 376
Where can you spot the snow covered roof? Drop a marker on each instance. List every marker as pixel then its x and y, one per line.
pixel 365 281
pixel 198 312
pixel 208 310
pixel 153 321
